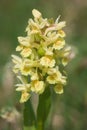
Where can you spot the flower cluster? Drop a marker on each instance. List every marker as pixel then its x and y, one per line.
pixel 42 52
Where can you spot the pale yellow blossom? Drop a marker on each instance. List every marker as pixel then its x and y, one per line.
pixel 36 13
pixel 59 44
pixel 25 68
pixel 34 76
pixel 17 61
pixel 37 86
pixel 60 25
pixel 56 78
pixel 26 52
pixel 61 33
pixel 19 48
pixel 24 97
pixel 24 41
pixel 33 25
pixel 59 89
pixel 49 51
pixel 51 39
pixel 65 61
pixel 44 23
pixel 23 87
pixel 66 51
pixel 51 71
pixel 47 61
pixel 55 27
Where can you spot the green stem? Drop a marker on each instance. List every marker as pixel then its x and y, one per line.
pixel 43 109
pixel 44 105
pixel 29 116
pixel 26 128
pixel 29 128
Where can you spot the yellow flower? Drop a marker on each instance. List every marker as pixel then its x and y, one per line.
pixel 44 23
pixel 26 52
pixel 55 27
pixel 36 13
pixel 19 48
pixel 49 51
pixel 53 78
pixel 60 25
pixel 51 71
pixel 47 61
pixel 25 67
pixel 37 86
pixel 59 44
pixel 17 61
pixel 56 78
pixel 34 76
pixel 33 25
pixel 23 87
pixel 66 55
pixel 34 29
pixel 58 89
pixel 61 33
pixel 66 51
pixel 24 41
pixel 51 38
pixel 65 61
pixel 24 97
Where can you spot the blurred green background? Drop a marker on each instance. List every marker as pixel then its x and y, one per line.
pixel 69 111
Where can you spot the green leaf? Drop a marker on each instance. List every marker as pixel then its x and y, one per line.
pixel 29 115
pixel 43 108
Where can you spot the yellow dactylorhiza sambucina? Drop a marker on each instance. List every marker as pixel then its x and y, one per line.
pixel 42 52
